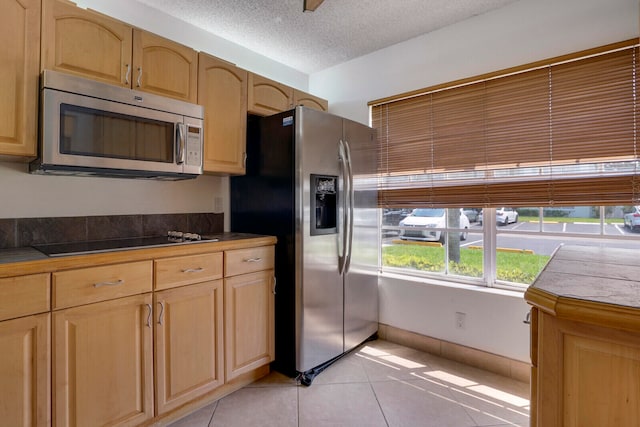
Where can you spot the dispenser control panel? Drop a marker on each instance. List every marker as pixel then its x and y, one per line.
pixel 324 204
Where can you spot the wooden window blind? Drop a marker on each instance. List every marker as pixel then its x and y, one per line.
pixel 562 132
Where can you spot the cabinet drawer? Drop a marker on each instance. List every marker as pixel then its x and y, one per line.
pixel 24 295
pixel 172 272
pixel 87 285
pixel 242 261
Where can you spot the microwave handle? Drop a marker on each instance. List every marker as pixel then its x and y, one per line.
pixel 180 143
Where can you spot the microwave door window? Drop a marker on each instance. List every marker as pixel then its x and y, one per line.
pixel 96 133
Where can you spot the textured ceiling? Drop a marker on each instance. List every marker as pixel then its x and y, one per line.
pixel 339 30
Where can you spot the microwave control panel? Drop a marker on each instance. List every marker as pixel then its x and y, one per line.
pixel 194 146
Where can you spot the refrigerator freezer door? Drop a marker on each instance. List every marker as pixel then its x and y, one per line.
pixel 361 282
pixel 319 292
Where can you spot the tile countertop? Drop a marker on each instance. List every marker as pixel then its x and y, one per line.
pixel 27 260
pixel 594 274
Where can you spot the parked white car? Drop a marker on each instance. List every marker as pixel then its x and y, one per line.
pixel 632 219
pixel 506 216
pixel 421 220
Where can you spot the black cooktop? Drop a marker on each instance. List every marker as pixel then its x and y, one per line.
pixel 97 246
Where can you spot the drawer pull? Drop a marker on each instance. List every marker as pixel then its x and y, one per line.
pixel 114 283
pixel 193 270
pixel 253 260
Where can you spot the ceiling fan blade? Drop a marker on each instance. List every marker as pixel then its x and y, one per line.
pixel 311 5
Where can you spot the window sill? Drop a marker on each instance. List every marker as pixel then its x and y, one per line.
pixel 517 293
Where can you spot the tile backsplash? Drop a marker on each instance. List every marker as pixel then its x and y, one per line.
pixel 20 232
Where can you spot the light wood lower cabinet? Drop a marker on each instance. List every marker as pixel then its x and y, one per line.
pixel 585 375
pixel 103 363
pixel 585 339
pixel 189 343
pixel 130 343
pixel 249 322
pixel 25 359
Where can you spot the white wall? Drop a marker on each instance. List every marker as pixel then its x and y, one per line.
pixel 523 32
pixel 520 33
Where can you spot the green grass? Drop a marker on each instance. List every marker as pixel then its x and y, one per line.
pixel 567 219
pixel 512 267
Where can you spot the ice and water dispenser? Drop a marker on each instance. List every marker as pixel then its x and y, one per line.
pixel 324 204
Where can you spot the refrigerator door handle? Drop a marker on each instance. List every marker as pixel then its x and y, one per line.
pixel 350 206
pixel 343 195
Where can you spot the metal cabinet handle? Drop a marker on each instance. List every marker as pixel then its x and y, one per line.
pixel 253 260
pixel 193 270
pixel 149 315
pixel 114 283
pixel 161 312
pixel 244 160
pixel 527 318
pixel 139 80
pixel 181 143
pixel 126 76
pixel 274 285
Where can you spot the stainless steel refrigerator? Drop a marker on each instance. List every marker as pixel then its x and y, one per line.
pixel 309 182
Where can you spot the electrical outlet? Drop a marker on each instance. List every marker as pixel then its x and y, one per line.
pixel 217 204
pixel 461 320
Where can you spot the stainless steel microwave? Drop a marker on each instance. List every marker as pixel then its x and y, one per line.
pixel 92 128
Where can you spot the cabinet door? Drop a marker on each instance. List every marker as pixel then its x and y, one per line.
pixel 188 345
pixel 25 371
pixel 222 90
pixel 164 67
pixel 85 43
pixel 311 101
pixel 249 322
pixel 103 363
pixel 267 97
pixel 19 68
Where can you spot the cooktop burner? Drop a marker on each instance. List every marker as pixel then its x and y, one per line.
pixel 97 246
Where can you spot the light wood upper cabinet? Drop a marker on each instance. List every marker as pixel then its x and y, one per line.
pixel 188 343
pixel 86 43
pixel 164 67
pixel 25 369
pixel 19 73
pixel 89 44
pixel 267 97
pixel 103 363
pixel 222 90
pixel 308 100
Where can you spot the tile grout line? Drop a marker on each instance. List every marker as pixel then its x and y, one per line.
pixel 384 416
pixel 210 423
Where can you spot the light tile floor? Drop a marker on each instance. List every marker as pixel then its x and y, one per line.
pixel 378 384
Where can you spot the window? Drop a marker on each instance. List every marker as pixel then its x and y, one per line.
pixel 559 135
pixel 516 244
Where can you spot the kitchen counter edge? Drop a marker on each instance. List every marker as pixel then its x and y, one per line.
pixel 22 261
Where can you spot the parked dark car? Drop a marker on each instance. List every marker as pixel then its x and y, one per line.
pixel 394 216
pixel 472 213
